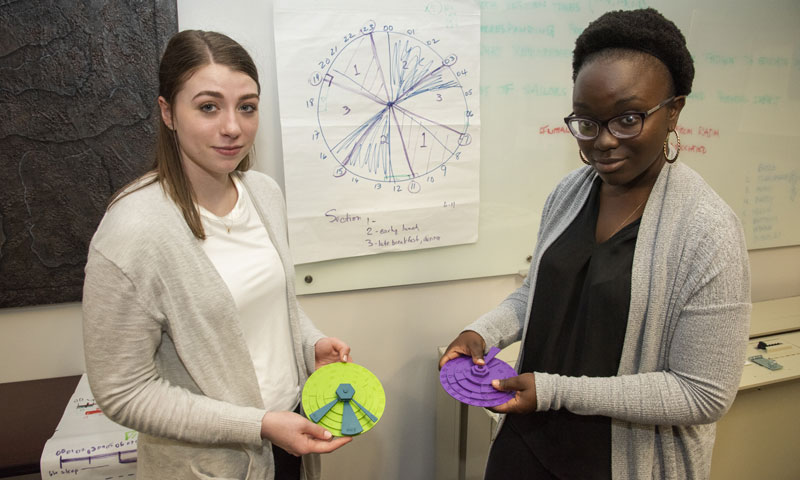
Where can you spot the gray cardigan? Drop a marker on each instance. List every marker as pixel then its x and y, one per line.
pixel 688 326
pixel 165 354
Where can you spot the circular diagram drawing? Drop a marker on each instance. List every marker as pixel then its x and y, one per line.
pixel 345 398
pixel 390 108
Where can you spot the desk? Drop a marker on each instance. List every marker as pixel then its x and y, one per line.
pixel 786 353
pixel 760 434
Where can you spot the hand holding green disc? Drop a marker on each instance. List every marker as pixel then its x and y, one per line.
pixel 345 398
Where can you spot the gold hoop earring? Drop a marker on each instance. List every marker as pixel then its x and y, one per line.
pixel 678 147
pixel 583 157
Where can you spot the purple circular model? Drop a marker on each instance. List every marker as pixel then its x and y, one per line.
pixel 472 384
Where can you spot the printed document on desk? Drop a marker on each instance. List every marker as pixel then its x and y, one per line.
pixel 86 444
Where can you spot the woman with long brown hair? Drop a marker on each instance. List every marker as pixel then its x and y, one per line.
pixel 192 332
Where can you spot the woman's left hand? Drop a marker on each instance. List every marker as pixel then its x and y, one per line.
pixel 524 400
pixel 330 350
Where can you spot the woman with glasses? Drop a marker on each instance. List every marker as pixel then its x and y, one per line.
pixel 634 316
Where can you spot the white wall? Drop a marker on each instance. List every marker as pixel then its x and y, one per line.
pixel 40 342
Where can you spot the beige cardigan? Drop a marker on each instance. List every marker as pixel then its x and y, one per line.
pixel 687 331
pixel 164 351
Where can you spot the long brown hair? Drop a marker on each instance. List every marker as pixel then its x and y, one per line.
pixel 187 52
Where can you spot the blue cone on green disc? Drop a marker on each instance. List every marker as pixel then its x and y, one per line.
pixel 345 398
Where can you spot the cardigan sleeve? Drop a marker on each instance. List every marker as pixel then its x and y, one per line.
pixel 120 341
pixel 503 325
pixel 704 351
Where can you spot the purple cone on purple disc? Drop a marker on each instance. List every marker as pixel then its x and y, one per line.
pixel 472 384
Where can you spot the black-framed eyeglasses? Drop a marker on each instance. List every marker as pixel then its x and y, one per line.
pixel 627 125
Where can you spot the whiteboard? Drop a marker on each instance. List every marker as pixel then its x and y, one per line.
pixel 737 129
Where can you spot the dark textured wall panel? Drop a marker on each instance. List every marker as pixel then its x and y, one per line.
pixel 78 83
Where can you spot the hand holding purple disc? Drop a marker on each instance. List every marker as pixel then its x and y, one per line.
pixel 472 384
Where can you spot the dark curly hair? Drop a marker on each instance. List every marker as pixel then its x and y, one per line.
pixel 644 30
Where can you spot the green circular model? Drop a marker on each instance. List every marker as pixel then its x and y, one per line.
pixel 345 398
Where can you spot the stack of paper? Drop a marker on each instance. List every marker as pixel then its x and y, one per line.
pixel 86 444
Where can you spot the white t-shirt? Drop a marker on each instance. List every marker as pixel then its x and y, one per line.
pixel 239 247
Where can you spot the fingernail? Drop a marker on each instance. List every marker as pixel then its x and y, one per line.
pixel 327 435
pixel 496 383
pixel 344 358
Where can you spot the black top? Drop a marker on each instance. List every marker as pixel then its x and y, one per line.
pixel 577 327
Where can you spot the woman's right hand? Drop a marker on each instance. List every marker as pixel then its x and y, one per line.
pixel 298 435
pixel 467 343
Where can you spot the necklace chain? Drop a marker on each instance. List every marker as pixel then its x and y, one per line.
pixel 228 227
pixel 622 224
